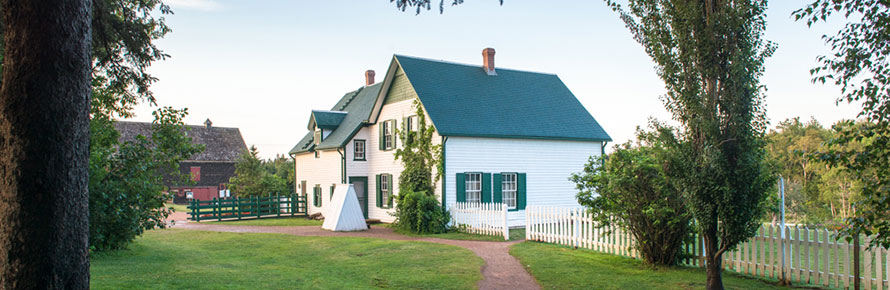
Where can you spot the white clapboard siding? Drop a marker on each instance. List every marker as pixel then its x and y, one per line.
pixel 324 171
pixel 804 256
pixel 548 164
pixel 481 218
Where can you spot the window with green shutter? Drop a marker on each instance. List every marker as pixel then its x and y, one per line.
pixel 316 195
pixel 508 185
pixel 520 191
pixel 384 190
pixel 486 187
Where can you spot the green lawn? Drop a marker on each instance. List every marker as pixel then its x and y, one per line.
pixel 559 267
pixel 177 207
pixel 183 259
pixel 515 234
pixel 270 221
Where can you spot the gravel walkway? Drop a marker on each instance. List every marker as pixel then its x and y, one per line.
pixel 501 270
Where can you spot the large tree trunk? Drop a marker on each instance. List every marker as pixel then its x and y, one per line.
pixel 44 145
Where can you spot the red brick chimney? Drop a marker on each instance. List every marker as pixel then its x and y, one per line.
pixel 369 77
pixel 488 61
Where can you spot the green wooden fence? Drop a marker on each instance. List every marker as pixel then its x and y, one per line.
pixel 247 207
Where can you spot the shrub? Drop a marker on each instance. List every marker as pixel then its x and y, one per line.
pixel 421 213
pixel 629 189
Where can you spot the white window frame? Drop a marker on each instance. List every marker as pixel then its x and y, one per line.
pixel 473 187
pixel 412 123
pixel 356 153
pixel 384 190
pixel 388 140
pixel 510 189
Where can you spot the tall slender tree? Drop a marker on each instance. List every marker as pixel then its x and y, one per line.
pixel 44 144
pixel 710 55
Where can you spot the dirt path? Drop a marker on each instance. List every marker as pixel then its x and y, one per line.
pixel 501 270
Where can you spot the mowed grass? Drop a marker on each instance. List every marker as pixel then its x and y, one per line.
pixel 515 234
pixel 177 207
pixel 560 267
pixel 183 259
pixel 270 221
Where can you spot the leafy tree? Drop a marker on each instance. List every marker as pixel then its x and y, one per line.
pixel 282 167
pixel 789 146
pixel 630 189
pixel 252 178
pixel 710 55
pixel 127 191
pixel 425 4
pixel 44 143
pixel 417 208
pixel 861 67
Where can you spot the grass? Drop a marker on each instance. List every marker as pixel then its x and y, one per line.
pixel 177 207
pixel 515 234
pixel 560 267
pixel 182 259
pixel 270 221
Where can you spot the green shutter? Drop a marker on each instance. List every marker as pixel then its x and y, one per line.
pixel 486 187
pixel 497 191
pixel 460 185
pixel 390 184
pixel 379 193
pixel 520 191
pixel 382 141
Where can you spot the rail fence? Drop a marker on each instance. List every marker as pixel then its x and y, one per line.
pixel 249 207
pixel 803 255
pixel 480 218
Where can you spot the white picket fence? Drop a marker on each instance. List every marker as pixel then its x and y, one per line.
pixel 812 256
pixel 481 218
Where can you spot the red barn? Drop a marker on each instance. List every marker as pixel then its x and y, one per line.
pixel 210 170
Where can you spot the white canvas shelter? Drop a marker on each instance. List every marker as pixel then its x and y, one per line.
pixel 344 214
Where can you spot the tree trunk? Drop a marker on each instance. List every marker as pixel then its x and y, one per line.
pixel 44 144
pixel 714 263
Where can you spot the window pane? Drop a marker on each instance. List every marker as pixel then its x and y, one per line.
pixel 508 186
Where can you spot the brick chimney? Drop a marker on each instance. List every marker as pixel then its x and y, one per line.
pixel 369 77
pixel 488 61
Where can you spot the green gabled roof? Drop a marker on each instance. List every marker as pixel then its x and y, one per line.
pixel 463 100
pixel 326 119
pixel 357 105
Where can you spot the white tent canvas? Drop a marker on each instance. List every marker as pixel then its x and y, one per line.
pixel 344 214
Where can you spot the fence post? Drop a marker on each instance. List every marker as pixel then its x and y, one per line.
pixel 238 206
pixel 217 209
pixel 856 280
pixel 256 204
pixel 506 229
pixel 192 207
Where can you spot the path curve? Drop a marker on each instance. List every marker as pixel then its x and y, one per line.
pixel 501 270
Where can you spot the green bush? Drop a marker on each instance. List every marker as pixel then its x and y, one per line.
pixel 421 213
pixel 629 189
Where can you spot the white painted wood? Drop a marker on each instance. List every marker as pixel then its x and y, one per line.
pixel 344 213
pixel 484 219
pixel 547 164
pixel 323 171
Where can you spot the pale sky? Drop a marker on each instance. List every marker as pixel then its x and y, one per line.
pixel 262 65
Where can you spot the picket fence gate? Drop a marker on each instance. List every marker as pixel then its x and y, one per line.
pixel 481 218
pixel 803 256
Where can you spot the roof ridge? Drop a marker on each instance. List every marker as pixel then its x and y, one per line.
pixel 470 65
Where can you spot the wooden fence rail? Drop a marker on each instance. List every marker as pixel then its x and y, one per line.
pixel 247 207
pixel 803 256
pixel 481 218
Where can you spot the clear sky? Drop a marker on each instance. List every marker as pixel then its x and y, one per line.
pixel 262 65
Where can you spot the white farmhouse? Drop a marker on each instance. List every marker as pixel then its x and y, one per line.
pixel 508 136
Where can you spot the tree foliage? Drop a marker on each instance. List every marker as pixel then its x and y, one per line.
pixel 710 55
pixel 253 177
pixel 425 4
pixel 417 209
pixel 630 189
pixel 860 65
pixel 127 191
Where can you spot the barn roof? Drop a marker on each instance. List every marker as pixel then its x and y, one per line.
pixel 220 143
